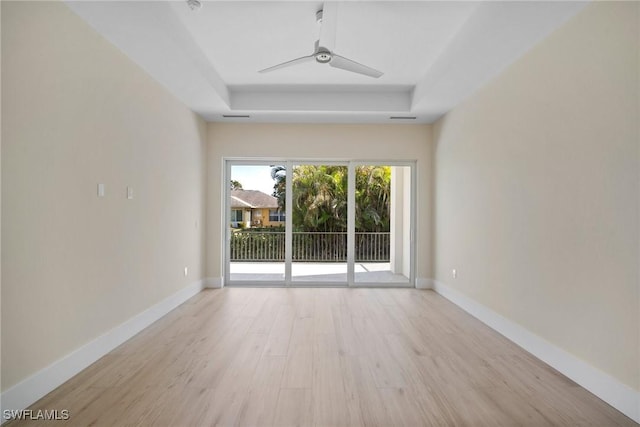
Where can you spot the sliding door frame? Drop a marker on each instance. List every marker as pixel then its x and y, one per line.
pixel 351 228
pixel 226 215
pixel 288 281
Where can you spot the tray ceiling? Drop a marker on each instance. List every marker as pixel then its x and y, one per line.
pixel 433 54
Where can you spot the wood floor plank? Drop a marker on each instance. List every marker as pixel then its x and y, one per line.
pixel 303 302
pixel 402 407
pixel 269 371
pixel 186 406
pixel 280 333
pixel 322 357
pixel 242 369
pixel 254 305
pixel 298 372
pixel 259 407
pixel 331 405
pixel 384 366
pixel 207 370
pixel 266 317
pixel 323 317
pixel 360 387
pixel 348 339
pixel 302 332
pixel 294 408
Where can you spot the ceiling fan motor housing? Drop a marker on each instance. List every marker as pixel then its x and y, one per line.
pixel 323 56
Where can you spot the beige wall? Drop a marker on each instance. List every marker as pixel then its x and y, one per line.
pixel 537 191
pixel 537 187
pixel 314 141
pixel 76 112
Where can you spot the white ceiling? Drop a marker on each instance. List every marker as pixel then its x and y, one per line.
pixel 433 54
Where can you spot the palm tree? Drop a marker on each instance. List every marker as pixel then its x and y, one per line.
pixel 235 185
pixel 320 197
pixel 279 175
pixel 373 198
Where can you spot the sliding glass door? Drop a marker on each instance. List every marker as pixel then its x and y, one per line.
pixel 383 224
pixel 313 223
pixel 319 223
pixel 256 223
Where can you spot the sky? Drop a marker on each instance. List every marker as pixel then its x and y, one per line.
pixel 253 177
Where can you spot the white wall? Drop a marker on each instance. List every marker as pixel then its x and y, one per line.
pixel 400 253
pixel 537 191
pixel 312 141
pixel 77 112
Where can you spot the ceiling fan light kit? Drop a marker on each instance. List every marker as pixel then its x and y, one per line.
pixel 323 53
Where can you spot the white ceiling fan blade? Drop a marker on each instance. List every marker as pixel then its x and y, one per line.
pixel 296 61
pixel 328 25
pixel 343 63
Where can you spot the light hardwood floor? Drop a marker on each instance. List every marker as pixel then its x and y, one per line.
pixel 324 357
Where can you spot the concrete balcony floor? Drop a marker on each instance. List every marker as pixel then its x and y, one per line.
pixel 315 272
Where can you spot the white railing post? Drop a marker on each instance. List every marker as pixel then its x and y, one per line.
pixel 247 245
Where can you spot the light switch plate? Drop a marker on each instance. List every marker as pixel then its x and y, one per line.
pixel 100 190
pixel 129 192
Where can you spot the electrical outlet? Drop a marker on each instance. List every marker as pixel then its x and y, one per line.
pixel 454 273
pixel 186 271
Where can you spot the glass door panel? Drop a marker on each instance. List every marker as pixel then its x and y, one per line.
pixel 255 209
pixel 319 224
pixel 382 252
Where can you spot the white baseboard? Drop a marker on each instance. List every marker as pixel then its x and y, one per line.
pixel 424 283
pixel 619 395
pixel 214 282
pixel 30 390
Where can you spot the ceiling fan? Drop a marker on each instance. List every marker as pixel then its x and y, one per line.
pixel 323 52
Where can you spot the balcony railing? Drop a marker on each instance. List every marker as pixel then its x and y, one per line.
pixel 258 246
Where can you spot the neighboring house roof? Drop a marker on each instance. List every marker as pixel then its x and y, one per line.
pixel 252 199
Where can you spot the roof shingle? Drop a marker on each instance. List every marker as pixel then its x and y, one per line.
pixel 252 199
